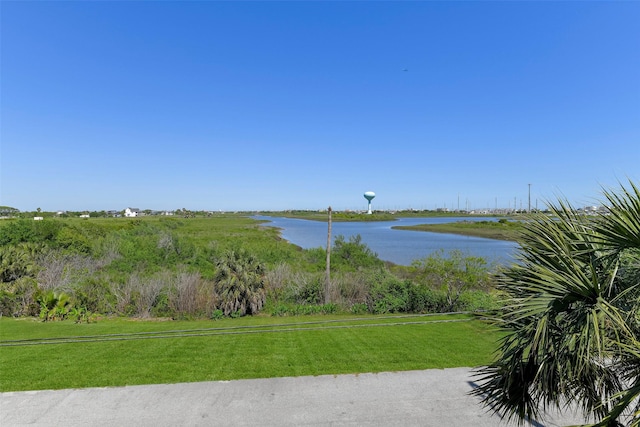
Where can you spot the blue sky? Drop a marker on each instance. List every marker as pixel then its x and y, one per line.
pixel 302 105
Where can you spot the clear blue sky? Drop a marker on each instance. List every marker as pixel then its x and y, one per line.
pixel 302 105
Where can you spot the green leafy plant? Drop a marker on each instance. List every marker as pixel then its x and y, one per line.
pixel 81 315
pixel 358 308
pixel 55 306
pixel 217 314
pixel 571 319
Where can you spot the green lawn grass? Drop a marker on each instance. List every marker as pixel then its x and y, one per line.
pixel 252 347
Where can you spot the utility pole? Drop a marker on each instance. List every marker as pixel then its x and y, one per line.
pixel 529 198
pixel 327 285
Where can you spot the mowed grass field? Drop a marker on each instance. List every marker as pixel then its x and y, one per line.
pixel 118 352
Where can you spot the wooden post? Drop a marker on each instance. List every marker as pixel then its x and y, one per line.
pixel 327 285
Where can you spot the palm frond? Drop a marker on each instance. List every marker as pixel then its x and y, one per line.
pixel 570 316
pixel 620 225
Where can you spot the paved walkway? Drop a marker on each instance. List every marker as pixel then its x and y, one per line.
pixel 415 398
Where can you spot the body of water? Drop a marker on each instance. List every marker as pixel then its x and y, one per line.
pixel 398 246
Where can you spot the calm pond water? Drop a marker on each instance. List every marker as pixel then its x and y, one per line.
pixel 398 246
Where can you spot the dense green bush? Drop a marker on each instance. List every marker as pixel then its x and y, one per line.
pixel 29 231
pixel 423 299
pixel 453 273
pixel 352 254
pixel 74 239
pixel 359 308
pixel 95 295
pixel 388 294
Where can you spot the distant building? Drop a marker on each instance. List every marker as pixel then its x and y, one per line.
pixel 131 212
pixel 593 210
pixel 38 218
pixel 84 216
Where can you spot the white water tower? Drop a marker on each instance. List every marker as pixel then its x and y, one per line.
pixel 369 195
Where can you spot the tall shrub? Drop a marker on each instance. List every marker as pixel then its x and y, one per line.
pixel 452 273
pixel 352 254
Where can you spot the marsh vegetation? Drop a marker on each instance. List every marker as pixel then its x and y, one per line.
pixel 208 267
pixel 503 229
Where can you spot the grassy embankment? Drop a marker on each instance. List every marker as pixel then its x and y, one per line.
pixel 117 352
pixel 335 216
pixel 341 216
pixel 501 230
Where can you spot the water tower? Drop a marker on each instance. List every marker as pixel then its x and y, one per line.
pixel 369 195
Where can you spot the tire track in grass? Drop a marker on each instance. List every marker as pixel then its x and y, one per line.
pixel 240 330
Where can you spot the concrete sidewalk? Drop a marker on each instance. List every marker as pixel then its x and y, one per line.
pixel 414 398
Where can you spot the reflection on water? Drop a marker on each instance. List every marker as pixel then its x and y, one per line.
pixel 398 246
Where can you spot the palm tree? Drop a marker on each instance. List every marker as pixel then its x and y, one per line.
pixel 240 283
pixel 17 261
pixel 571 318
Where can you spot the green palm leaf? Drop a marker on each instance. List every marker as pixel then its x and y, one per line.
pixel 571 315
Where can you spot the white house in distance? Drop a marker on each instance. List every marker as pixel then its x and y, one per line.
pixel 131 212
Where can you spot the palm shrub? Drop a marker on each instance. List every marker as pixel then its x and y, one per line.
pixel 17 261
pixel 20 297
pixel 54 306
pixel 571 317
pixel 239 283
pixel 18 287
